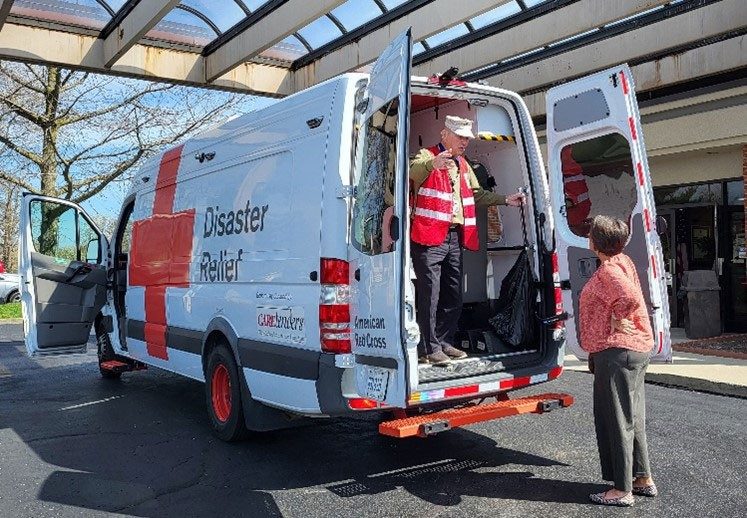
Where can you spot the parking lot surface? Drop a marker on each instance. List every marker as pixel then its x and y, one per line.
pixel 73 444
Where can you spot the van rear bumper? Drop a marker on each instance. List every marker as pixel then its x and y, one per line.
pixel 329 387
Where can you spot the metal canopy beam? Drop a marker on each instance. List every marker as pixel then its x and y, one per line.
pixel 253 39
pixel 139 19
pixel 5 6
pixel 356 34
pixel 708 60
pixel 81 51
pixel 551 26
pixel 480 35
pixel 692 26
pixel 425 21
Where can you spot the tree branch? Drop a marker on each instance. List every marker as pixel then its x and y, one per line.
pixel 17 181
pixel 114 107
pixel 121 168
pixel 23 112
pixel 29 155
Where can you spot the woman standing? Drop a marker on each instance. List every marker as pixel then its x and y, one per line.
pixel 616 332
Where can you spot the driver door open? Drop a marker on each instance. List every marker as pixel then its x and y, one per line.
pixel 63 274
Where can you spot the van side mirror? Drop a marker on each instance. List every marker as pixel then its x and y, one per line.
pixel 661 225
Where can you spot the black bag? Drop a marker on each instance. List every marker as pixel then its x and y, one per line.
pixel 514 320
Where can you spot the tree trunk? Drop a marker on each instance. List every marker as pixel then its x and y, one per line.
pixel 50 213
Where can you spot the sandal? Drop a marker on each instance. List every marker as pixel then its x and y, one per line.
pixel 622 501
pixel 646 490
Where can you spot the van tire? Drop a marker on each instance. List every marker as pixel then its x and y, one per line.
pixel 105 352
pixel 13 296
pixel 223 395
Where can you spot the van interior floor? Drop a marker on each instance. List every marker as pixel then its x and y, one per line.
pixel 470 366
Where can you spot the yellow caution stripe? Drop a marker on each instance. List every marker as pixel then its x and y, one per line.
pixel 486 135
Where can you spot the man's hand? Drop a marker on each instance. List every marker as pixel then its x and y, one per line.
pixel 516 200
pixel 441 160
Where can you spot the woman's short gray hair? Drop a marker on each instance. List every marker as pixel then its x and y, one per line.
pixel 608 234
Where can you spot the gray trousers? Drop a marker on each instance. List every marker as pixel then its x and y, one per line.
pixel 438 289
pixel 620 415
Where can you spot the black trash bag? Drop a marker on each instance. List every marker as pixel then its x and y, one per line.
pixel 514 320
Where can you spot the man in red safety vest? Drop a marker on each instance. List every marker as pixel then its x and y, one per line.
pixel 446 192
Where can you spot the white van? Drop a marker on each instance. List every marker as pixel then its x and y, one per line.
pixel 269 257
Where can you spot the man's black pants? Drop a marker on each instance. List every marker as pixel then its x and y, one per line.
pixel 438 287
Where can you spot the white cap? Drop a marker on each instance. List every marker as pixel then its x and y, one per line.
pixel 460 126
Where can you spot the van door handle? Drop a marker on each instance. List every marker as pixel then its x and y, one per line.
pixel 357 274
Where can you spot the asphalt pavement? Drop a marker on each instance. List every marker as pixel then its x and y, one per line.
pixel 73 444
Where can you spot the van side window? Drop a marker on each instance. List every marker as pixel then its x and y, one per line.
pixel 598 178
pixel 59 231
pixel 374 182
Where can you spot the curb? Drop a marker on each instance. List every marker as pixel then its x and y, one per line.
pixel 687 383
pixel 11 321
pixel 735 355
pixel 697 384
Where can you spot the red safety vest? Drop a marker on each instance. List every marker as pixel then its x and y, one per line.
pixel 577 202
pixel 433 209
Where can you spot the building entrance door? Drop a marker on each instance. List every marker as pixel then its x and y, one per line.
pixel 690 243
pixel 734 271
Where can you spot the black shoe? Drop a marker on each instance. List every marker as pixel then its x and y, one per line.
pixel 454 353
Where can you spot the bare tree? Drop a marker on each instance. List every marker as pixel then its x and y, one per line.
pixel 9 226
pixel 69 134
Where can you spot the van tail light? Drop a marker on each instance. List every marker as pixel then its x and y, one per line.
pixel 558 290
pixel 334 306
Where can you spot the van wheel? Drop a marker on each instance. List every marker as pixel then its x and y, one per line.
pixel 223 391
pixel 14 296
pixel 105 353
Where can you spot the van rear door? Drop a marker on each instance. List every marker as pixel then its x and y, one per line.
pixel 63 274
pixel 597 165
pixel 378 225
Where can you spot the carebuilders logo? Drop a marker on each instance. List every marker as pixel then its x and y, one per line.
pixel 281 319
pixel 282 324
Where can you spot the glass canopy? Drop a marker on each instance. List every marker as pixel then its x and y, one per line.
pixel 196 24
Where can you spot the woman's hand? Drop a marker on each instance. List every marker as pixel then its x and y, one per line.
pixel 622 325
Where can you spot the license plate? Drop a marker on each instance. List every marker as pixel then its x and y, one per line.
pixel 376 383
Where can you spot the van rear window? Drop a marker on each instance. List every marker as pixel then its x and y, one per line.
pixel 598 178
pixel 376 163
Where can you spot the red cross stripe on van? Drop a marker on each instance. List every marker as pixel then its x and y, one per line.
pixel 161 252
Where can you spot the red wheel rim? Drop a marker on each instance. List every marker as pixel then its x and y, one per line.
pixel 221 391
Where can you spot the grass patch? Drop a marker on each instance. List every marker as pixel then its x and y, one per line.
pixel 10 310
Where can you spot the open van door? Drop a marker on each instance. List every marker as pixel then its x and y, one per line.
pixel 377 250
pixel 597 165
pixel 62 262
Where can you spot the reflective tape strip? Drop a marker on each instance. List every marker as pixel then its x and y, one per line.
pixel 582 197
pixel 640 173
pixel 433 193
pixel 440 216
pixel 470 222
pixel 647 217
pixel 574 178
pixel 483 388
pixel 653 265
pixel 624 82
pixel 631 123
pixel 468 201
